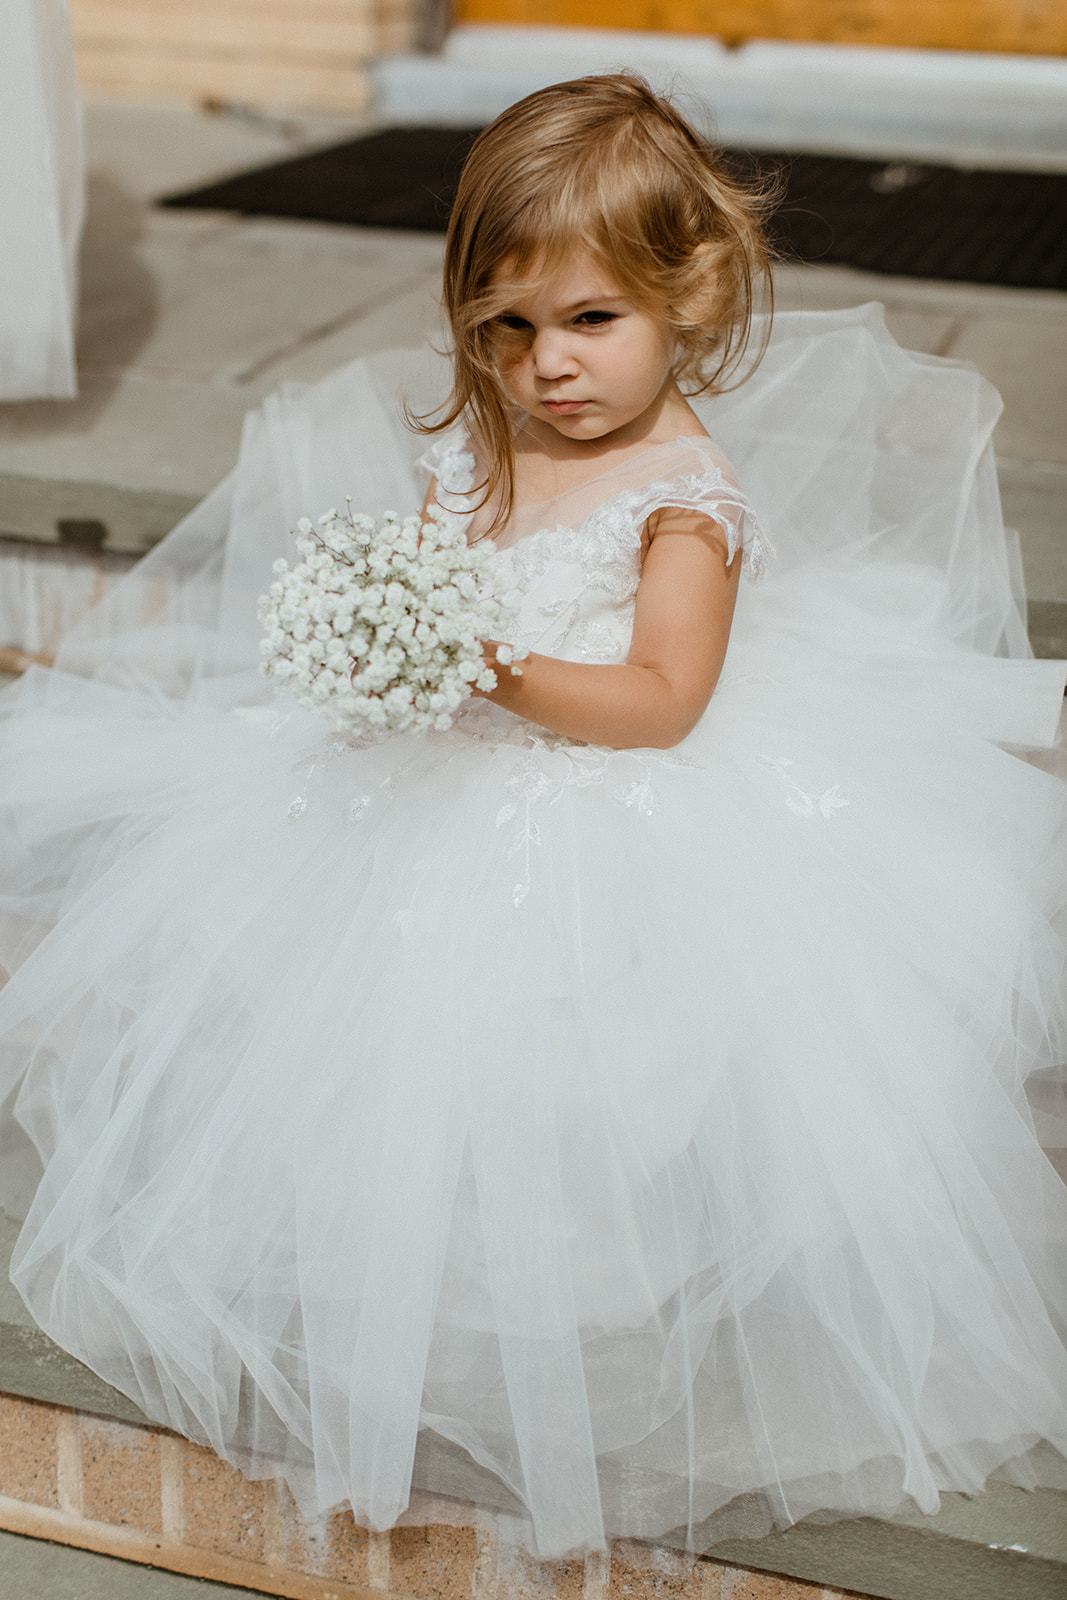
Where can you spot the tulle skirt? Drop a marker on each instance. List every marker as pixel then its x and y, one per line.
pixel 646 1128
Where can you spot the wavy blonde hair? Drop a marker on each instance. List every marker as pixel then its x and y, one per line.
pixel 604 165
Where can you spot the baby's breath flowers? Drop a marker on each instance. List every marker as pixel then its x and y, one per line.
pixel 381 629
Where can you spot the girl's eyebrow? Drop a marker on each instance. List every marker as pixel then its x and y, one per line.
pixel 595 300
pixel 578 305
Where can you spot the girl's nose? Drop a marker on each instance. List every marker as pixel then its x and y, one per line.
pixel 553 355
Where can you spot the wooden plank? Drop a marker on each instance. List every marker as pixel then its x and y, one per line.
pixel 308 14
pixel 297 54
pixel 1029 27
pixel 227 37
pixel 206 29
pixel 147 75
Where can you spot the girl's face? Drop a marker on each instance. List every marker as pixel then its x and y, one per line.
pixel 581 356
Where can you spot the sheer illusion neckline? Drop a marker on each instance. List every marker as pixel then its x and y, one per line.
pixel 696 439
pixel 624 470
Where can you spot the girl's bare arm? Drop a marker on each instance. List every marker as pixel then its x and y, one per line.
pixel 685 604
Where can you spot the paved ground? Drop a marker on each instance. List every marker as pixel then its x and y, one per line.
pixel 190 317
pixel 31 1569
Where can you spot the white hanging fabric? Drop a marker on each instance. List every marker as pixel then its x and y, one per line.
pixel 42 200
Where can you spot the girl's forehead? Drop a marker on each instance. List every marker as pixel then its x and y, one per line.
pixel 580 280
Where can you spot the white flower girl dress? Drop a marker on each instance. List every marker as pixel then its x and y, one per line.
pixel 646 1128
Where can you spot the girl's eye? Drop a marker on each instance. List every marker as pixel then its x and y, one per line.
pixel 595 319
pixel 511 323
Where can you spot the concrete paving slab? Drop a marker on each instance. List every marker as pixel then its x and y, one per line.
pixel 130 429
pixel 1034 496
pixel 34 1569
pixel 156 150
pixel 811 286
pixel 1028 363
pixel 13 1312
pixel 1046 624
pixel 229 301
pixel 410 318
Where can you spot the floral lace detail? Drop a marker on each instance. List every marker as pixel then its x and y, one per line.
pixel 607 542
pixel 800 801
pixel 597 643
pixel 607 534
pixel 711 492
pixel 606 549
pixel 551 766
pixel 544 767
pixel 323 757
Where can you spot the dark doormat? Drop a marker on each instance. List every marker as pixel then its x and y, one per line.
pixel 1005 228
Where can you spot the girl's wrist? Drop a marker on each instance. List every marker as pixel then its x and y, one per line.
pixel 503 660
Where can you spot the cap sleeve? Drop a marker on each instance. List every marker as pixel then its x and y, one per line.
pixel 450 461
pixel 712 493
pixel 693 475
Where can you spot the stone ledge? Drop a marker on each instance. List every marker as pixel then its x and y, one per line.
pixel 108 517
pixel 985 1548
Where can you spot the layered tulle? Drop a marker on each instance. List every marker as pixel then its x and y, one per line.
pixel 646 1128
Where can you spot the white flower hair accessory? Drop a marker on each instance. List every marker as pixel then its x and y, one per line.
pixel 381 629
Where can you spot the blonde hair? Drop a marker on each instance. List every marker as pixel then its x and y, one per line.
pixel 600 164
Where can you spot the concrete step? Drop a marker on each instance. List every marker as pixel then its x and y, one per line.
pixel 970 108
pixel 80 1465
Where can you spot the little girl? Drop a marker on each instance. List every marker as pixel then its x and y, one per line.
pixel 618 1098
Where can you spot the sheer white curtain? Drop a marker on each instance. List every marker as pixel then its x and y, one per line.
pixel 42 200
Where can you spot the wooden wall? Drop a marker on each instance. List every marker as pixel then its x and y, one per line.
pixel 1036 27
pixel 276 54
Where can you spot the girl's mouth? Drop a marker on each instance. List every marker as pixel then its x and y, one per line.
pixel 563 408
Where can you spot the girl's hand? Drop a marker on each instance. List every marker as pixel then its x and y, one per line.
pixel 503 669
pixel 685 604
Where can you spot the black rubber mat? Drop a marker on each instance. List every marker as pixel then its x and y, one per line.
pixel 923 221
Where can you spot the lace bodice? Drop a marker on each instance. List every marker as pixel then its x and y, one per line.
pixel 577 558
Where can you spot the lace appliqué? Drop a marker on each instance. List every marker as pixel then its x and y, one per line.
pixel 800 802
pixel 554 764
pixel 324 757
pixel 597 643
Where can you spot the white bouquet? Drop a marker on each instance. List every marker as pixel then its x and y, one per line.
pixel 381 629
